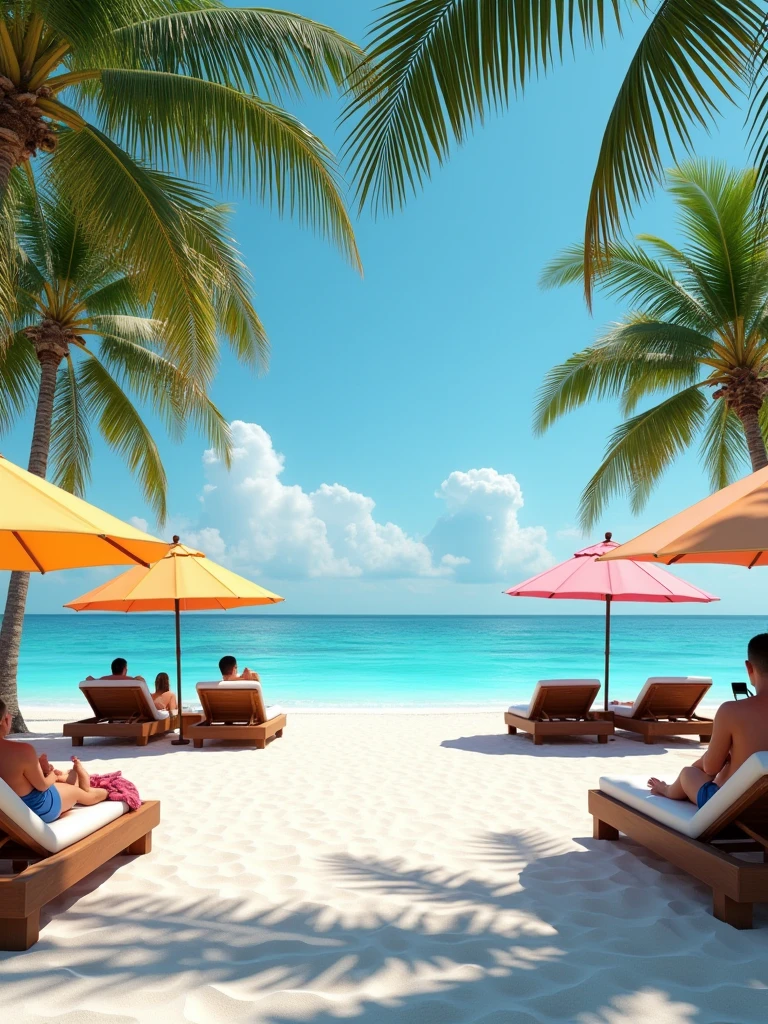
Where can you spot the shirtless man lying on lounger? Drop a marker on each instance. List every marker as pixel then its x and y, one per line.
pixel 228 669
pixel 46 791
pixel 119 671
pixel 740 730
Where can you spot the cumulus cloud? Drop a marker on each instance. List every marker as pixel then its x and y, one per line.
pixel 480 533
pixel 139 523
pixel 250 519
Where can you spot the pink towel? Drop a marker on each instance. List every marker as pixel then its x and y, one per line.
pixel 118 788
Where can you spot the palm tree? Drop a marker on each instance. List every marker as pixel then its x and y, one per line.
pixel 83 342
pixel 188 84
pixel 699 321
pixel 438 67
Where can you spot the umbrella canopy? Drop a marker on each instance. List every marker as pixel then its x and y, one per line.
pixel 183 580
pixel 43 527
pixel 587 577
pixel 729 527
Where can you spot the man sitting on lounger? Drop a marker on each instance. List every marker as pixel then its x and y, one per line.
pixel 228 669
pixel 740 729
pixel 119 671
pixel 46 791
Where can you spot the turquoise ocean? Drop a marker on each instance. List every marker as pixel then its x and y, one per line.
pixel 376 661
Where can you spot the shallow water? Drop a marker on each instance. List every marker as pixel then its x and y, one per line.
pixel 368 661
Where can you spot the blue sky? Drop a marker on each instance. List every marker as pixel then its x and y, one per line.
pixel 399 387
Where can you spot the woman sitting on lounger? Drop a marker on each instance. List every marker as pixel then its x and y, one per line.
pixel 163 698
pixel 46 791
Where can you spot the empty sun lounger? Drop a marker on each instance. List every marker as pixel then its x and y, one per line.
pixel 701 842
pixel 666 706
pixel 122 709
pixel 46 860
pixel 236 711
pixel 560 707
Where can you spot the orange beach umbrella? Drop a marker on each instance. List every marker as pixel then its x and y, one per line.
pixel 43 528
pixel 183 580
pixel 729 527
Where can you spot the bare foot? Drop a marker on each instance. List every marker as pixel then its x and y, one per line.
pixel 83 778
pixel 657 787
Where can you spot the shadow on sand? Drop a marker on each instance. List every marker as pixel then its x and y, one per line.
pixel 624 745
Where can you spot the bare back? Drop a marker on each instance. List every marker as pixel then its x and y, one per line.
pixel 743 725
pixel 19 767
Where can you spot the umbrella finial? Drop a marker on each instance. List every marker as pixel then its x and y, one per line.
pixel 608 535
pixel 175 538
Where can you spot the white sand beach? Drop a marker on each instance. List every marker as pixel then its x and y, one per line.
pixel 393 869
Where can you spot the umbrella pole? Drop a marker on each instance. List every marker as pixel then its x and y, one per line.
pixel 180 739
pixel 607 645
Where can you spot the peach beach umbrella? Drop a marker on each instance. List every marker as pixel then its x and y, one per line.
pixel 43 528
pixel 183 580
pixel 729 527
pixel 587 577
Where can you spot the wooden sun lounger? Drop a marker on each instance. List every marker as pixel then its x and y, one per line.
pixel 667 707
pixel 120 712
pixel 235 712
pixel 560 707
pixel 39 876
pixel 735 828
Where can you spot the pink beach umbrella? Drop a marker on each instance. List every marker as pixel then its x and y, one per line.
pixel 583 578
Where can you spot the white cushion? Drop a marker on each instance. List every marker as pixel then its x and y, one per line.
pixel 525 709
pixel 629 709
pixel 682 815
pixel 122 684
pixel 73 826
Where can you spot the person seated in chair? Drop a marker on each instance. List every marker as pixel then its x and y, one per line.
pixel 119 671
pixel 47 792
pixel 163 698
pixel 229 673
pixel 740 729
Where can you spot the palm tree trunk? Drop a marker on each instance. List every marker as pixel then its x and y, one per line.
pixel 13 618
pixel 758 454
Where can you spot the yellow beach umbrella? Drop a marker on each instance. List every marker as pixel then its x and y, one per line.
pixel 183 580
pixel 43 527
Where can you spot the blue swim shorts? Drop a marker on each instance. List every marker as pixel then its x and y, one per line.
pixel 706 792
pixel 46 803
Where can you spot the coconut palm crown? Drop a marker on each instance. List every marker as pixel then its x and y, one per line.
pixel 696 336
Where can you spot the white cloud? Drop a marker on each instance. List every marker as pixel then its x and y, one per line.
pixel 253 521
pixel 139 523
pixel 481 528
pixel 570 533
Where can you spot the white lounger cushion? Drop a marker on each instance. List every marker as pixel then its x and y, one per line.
pixel 272 710
pixel 681 815
pixel 628 710
pixel 75 825
pixel 122 684
pixel 524 710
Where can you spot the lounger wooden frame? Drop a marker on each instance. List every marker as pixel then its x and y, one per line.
pixel 736 884
pixel 562 711
pixel 39 876
pixel 120 713
pixel 235 713
pixel 668 709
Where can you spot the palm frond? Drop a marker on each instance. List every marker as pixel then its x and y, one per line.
pixel 640 450
pixel 436 68
pixel 252 49
pixel 694 54
pixel 19 379
pixel 251 144
pixel 71 448
pixel 723 449
pixel 124 431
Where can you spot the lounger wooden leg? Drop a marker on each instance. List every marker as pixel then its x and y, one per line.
pixel 603 738
pixel 142 741
pixel 602 830
pixel 738 915
pixel 647 738
pixel 278 734
pixel 261 744
pixel 77 741
pixel 141 845
pixel 17 933
pixel 511 730
pixel 703 739
pixel 197 743
pixel 538 740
